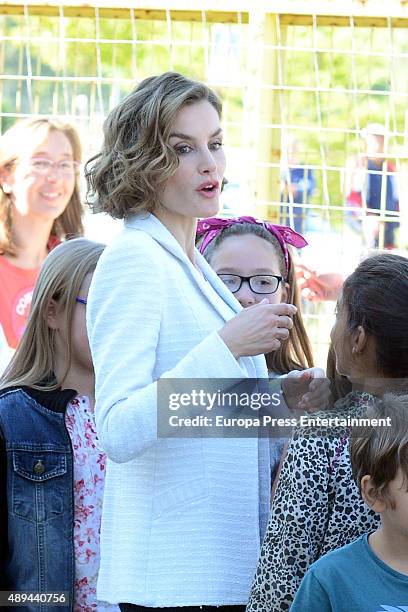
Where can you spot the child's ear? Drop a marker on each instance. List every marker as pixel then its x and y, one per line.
pixel 51 315
pixel 360 339
pixel 370 495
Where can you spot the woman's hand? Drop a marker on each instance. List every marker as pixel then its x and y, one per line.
pixel 307 390
pixel 258 329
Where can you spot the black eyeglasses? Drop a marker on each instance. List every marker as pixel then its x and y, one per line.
pixel 259 283
pixel 81 300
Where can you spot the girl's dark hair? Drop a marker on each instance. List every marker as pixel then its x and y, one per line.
pixel 340 385
pixel 376 297
pixel 296 352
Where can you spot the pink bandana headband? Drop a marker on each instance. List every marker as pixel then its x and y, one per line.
pixel 210 228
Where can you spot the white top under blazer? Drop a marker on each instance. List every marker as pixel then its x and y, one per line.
pixel 182 519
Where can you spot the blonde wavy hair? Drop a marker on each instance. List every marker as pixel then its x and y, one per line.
pixel 69 223
pixel 61 276
pixel 127 176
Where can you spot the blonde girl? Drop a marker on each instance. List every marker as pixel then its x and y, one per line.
pixel 52 470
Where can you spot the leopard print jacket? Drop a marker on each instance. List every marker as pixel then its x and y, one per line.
pixel 317 508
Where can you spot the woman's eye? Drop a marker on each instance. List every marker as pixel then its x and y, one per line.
pixel 183 150
pixel 38 164
pixel 214 146
pixel 66 165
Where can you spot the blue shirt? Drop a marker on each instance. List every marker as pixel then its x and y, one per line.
pixel 352 579
pixel 374 186
pixel 303 179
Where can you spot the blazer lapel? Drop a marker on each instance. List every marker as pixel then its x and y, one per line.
pixel 155 228
pixel 210 285
pixel 216 283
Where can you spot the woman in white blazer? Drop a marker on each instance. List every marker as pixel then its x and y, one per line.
pixel 183 518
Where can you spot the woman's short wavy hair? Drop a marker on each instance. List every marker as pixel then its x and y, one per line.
pixel 129 173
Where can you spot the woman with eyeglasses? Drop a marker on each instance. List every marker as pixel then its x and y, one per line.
pixel 39 207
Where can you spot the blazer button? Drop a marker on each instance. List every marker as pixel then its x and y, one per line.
pixel 39 467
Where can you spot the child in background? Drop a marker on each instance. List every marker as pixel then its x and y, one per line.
pixel 370 574
pixel 52 473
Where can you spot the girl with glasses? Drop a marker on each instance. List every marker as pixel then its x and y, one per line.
pixel 52 471
pixel 39 207
pixel 253 259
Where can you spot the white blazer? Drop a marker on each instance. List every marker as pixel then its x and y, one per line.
pixel 182 518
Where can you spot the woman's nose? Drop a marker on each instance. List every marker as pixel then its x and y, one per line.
pixel 207 163
pixel 53 175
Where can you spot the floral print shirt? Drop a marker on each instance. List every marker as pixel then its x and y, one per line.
pixel 89 477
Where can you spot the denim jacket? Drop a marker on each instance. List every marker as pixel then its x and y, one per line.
pixel 36 495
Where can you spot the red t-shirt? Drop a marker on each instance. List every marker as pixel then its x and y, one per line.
pixel 16 291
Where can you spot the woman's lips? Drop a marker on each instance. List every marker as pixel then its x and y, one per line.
pixel 209 189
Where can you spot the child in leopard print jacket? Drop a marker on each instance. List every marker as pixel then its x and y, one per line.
pixel 317 507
